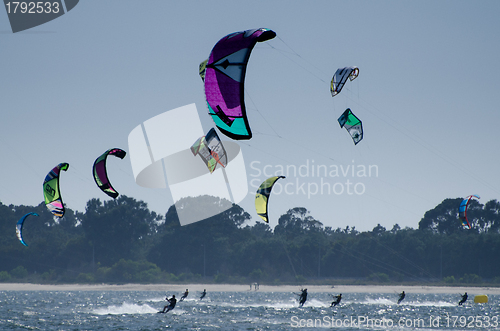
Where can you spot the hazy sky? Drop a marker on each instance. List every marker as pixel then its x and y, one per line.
pixel 427 94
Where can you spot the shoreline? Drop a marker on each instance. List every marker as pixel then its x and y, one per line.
pixel 246 288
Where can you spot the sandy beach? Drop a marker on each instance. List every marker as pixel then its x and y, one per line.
pixel 246 288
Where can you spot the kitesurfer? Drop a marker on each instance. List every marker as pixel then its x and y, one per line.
pixel 184 296
pixel 464 298
pixel 303 297
pixel 337 300
pixel 171 304
pixel 401 297
pixel 203 294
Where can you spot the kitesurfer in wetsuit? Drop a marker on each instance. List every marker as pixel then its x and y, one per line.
pixel 171 304
pixel 203 294
pixel 303 297
pixel 184 296
pixel 337 301
pixel 401 297
pixel 464 298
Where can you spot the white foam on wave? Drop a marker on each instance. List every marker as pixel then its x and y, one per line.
pixel 292 303
pixel 192 300
pixel 431 304
pixel 156 299
pixel 315 303
pixel 384 301
pixel 125 308
pixel 279 305
pixel 378 301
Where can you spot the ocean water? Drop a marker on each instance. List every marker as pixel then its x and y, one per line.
pixel 252 310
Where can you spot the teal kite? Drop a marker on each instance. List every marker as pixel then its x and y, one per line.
pixel 462 210
pixel 352 124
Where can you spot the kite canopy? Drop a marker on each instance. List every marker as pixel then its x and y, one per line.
pixel 352 124
pixel 100 173
pixel 19 227
pixel 262 197
pixel 211 150
pixel 224 76
pixel 53 199
pixel 462 210
pixel 340 78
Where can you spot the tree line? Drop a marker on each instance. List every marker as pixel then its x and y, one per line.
pixel 121 240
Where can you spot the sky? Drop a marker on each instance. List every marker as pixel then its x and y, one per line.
pixel 427 93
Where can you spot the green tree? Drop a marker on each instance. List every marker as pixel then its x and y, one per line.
pixel 19 272
pixel 119 228
pixel 378 230
pixel 295 222
pixel 4 276
pixel 206 247
pixel 491 217
pixel 443 218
